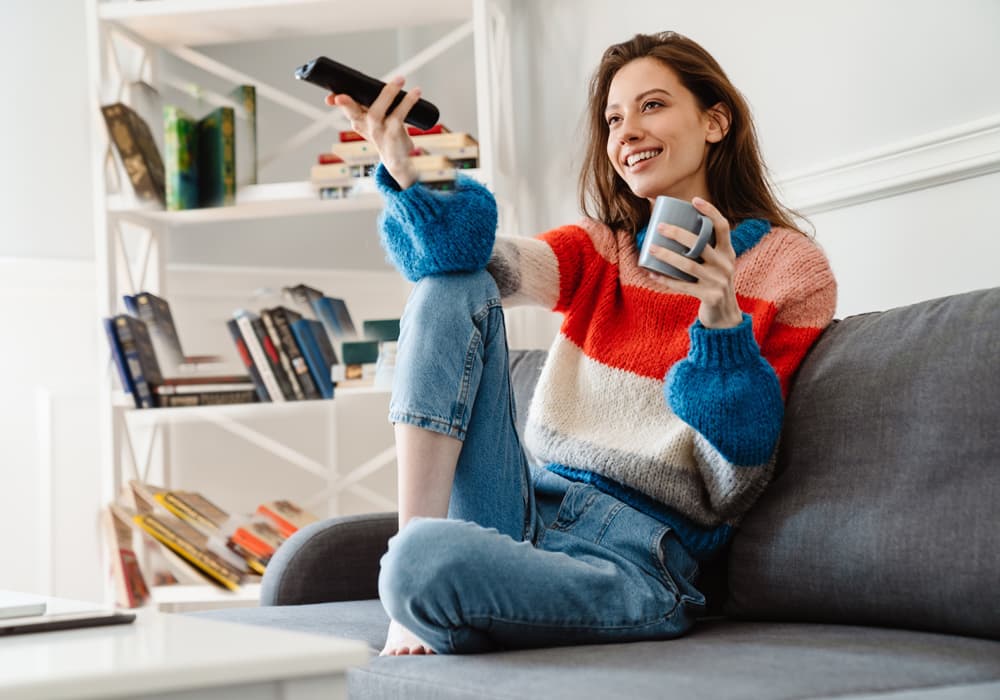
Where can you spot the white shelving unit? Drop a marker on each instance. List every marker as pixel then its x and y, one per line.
pixel 177 27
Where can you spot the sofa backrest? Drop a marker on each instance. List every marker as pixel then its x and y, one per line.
pixel 886 505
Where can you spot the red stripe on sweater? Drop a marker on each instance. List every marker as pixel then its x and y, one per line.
pixel 603 314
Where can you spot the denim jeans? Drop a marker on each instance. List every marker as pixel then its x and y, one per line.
pixel 525 558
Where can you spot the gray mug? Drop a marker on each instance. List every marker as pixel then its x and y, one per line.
pixel 669 210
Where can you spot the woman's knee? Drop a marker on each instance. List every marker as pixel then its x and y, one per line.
pixel 462 291
pixel 420 568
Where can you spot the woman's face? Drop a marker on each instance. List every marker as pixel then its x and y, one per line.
pixel 658 136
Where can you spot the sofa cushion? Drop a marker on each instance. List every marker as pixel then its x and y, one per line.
pixel 884 510
pixel 717 660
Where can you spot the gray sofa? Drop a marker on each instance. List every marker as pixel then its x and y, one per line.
pixel 869 569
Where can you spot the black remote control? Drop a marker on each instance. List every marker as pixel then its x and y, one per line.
pixel 336 77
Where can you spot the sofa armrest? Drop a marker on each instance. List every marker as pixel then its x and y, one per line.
pixel 332 560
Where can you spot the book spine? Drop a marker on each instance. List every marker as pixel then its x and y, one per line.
pixel 271 353
pixel 246 142
pixel 283 319
pixel 147 354
pixel 304 331
pixel 131 590
pixel 244 353
pixel 183 511
pixel 155 312
pixel 217 159
pixel 135 146
pixel 260 360
pixel 142 394
pixel 206 398
pixel 120 360
pixel 180 149
pixel 210 564
pixel 267 316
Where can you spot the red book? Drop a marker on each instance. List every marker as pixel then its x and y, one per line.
pixel 286 516
pixel 346 136
pixel 328 158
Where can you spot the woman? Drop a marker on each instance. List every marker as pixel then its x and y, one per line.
pixel 658 410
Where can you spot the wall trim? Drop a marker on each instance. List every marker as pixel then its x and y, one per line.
pixel 936 158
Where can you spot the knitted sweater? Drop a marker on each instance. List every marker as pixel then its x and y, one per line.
pixel 637 397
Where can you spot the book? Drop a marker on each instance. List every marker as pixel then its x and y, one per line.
pixel 348 136
pixel 198 511
pixel 255 339
pixel 205 398
pixel 286 516
pixel 216 158
pixel 155 313
pixel 130 587
pixel 267 318
pixel 189 544
pixel 335 317
pixel 383 329
pixel 318 353
pixel 140 360
pixel 433 143
pixel 258 536
pixel 137 150
pixel 246 134
pixel 197 381
pixel 241 348
pixel 300 298
pixel 118 357
pixel 204 516
pixel 282 318
pixel 180 139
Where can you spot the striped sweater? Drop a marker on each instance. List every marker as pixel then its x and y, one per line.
pixel 637 397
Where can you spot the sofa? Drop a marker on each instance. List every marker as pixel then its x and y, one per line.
pixel 870 568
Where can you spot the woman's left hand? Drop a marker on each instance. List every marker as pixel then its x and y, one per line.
pixel 715 287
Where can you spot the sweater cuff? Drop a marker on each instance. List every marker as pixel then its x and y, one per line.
pixel 415 204
pixel 718 348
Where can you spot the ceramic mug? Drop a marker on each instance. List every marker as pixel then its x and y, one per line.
pixel 668 210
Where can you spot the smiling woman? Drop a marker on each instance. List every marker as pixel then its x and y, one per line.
pixel 658 410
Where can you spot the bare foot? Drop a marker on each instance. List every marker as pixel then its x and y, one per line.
pixel 402 642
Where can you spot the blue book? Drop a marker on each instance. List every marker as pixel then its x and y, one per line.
pixel 318 352
pixel 133 338
pixel 335 318
pixel 119 359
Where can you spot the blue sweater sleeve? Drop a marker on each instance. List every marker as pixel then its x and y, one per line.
pixel 425 232
pixel 729 393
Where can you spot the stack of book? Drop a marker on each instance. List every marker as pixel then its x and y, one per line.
pixel 154 370
pixel 437 154
pixel 185 537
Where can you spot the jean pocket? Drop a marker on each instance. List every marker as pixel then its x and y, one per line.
pixel 577 500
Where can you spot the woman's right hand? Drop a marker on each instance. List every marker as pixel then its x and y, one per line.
pixel 387 133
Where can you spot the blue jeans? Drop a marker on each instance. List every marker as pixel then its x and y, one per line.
pixel 526 558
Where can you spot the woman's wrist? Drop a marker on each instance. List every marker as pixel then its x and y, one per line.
pixel 728 315
pixel 402 172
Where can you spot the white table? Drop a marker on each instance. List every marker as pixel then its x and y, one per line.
pixel 162 656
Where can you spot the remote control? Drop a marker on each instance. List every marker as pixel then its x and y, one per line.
pixel 338 78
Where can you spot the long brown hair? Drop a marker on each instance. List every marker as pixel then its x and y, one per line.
pixel 736 174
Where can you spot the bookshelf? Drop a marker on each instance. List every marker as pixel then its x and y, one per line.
pixel 131 440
